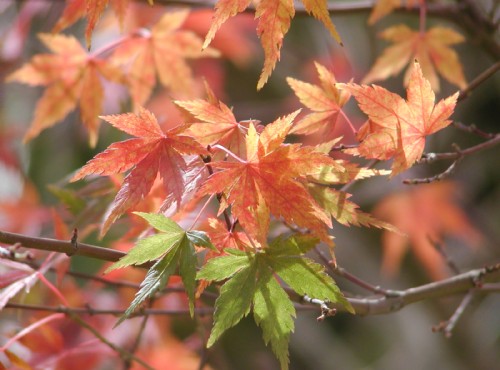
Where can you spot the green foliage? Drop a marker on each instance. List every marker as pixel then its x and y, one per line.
pixel 174 246
pixel 252 280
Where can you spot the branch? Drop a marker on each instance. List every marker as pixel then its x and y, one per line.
pixel 457 284
pixel 61 246
pixel 363 306
pixel 478 81
pixel 432 157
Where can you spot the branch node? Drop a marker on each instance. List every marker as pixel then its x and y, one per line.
pixel 325 310
pixel 74 243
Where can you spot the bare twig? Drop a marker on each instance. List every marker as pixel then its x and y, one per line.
pixel 126 355
pixel 342 272
pixel 478 81
pixel 472 129
pixel 112 312
pixel 447 326
pixel 135 346
pixel 453 267
pixel 439 177
pixel 432 157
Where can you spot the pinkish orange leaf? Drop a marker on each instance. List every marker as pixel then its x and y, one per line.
pixel 427 214
pixel 164 52
pixel 325 100
pixel 400 127
pixel 431 50
pixel 72 78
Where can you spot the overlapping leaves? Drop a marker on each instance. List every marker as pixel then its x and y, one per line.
pixel 252 283
pixel 173 247
pixel 274 22
pixel 398 127
pixel 150 152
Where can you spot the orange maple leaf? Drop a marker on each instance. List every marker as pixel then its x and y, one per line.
pixel 271 180
pixel 325 100
pixel 162 51
pixel 274 22
pixel 92 9
pixel 72 77
pixel 431 49
pixel 427 214
pixel 385 7
pixel 150 152
pixel 218 124
pixel 399 126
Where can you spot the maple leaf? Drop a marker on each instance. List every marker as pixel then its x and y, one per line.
pixel 338 205
pixel 382 8
pixel 150 152
pixel 325 100
pixel 218 124
pixel 162 51
pixel 400 127
pixel 92 9
pixel 426 214
pixel 72 77
pixel 431 49
pixel 251 283
pixel 269 180
pixel 173 246
pixel 274 22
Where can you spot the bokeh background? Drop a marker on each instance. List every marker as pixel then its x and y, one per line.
pixel 401 340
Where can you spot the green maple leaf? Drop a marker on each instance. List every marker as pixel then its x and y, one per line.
pixel 251 282
pixel 174 247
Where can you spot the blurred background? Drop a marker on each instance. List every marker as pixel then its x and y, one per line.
pixel 463 211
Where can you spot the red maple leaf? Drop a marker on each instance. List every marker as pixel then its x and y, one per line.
pixel 150 152
pixel 398 127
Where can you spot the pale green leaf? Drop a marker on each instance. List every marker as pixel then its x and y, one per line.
pixel 308 278
pixel 160 222
pixel 187 270
pixel 200 238
pixel 234 302
pixel 222 268
pixel 155 279
pixel 294 245
pixel 148 249
pixel 274 312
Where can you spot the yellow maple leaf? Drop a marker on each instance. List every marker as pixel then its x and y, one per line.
pixel 431 49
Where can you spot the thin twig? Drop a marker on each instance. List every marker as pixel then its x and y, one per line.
pixel 432 157
pixel 342 272
pixel 447 326
pixel 453 267
pixel 479 80
pixel 439 177
pixel 126 355
pixel 472 129
pixel 113 312
pixel 128 362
